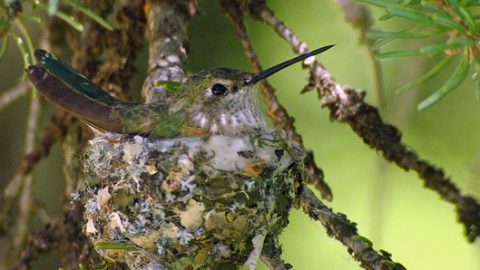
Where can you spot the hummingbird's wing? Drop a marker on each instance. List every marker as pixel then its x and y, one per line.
pixel 65 87
pixel 95 112
pixel 72 78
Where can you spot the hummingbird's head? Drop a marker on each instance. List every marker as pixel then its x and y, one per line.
pixel 221 101
pixel 224 101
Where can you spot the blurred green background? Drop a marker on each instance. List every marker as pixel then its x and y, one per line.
pixel 390 205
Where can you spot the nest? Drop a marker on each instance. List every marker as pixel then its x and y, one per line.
pixel 188 203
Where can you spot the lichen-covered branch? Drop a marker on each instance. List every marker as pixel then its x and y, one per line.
pixel 347 105
pixel 167 25
pixel 272 255
pixel 275 110
pixel 339 227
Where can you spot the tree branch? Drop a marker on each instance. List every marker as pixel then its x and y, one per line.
pixel 346 105
pixel 14 93
pixel 275 110
pixel 339 227
pixel 167 25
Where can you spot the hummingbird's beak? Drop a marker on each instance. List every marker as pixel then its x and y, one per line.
pixel 269 71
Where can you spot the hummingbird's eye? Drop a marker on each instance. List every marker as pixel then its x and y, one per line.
pixel 219 89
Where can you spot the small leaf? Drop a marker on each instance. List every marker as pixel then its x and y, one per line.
pixel 381 43
pixel 427 76
pixel 455 80
pixel 114 245
pixel 386 17
pixel 72 21
pixel 89 13
pixel 436 9
pixel 31 17
pixel 408 2
pixel 463 41
pixel 170 86
pixel 410 14
pixel 406 34
pixel 379 3
pixel 4 47
pixel 442 16
pixel 447 22
pixel 439 47
pixel 23 50
pixel 398 54
pixel 66 18
pixel 468 19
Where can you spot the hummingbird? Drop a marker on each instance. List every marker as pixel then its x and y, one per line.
pixel 213 101
pixel 207 202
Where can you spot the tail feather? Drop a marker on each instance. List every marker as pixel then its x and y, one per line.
pixel 98 112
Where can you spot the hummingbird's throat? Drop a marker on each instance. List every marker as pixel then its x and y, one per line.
pixel 237 115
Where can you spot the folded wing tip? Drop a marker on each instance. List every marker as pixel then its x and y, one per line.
pixel 43 56
pixel 36 73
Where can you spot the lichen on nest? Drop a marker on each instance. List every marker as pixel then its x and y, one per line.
pixel 188 203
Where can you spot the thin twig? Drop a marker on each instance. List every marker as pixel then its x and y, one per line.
pixel 14 93
pixel 346 105
pixel 339 227
pixel 20 231
pixel 54 131
pixel 275 110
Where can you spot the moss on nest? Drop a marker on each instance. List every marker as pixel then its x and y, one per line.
pixel 187 203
